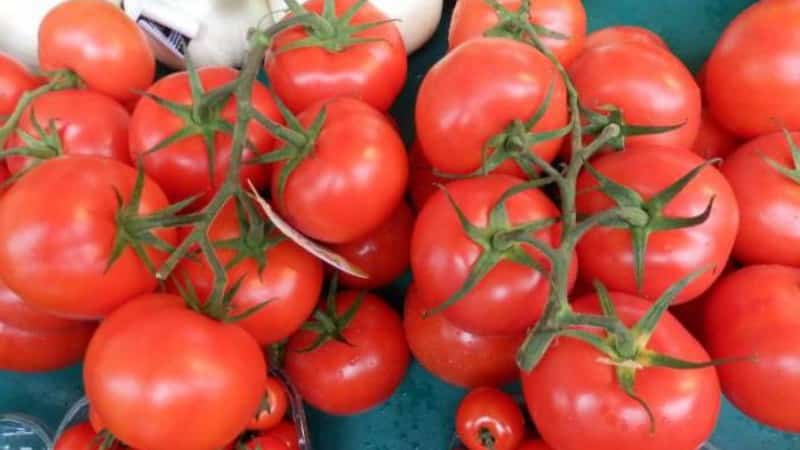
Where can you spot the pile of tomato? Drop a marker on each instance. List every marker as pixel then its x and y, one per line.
pixel 579 213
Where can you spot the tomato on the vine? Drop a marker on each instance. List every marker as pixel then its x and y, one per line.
pixel 73 122
pixel 625 33
pixel 456 356
pixel 80 256
pixel 584 406
pixel 475 108
pixel 15 80
pixel 369 64
pixel 490 419
pixel 273 406
pixel 101 44
pixel 155 369
pixel 352 362
pixel 183 167
pixel 681 231
pixel 473 18
pixel 753 314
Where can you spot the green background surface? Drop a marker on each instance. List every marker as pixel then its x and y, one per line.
pixel 420 415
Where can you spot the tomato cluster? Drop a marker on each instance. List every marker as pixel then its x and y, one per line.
pixel 182 236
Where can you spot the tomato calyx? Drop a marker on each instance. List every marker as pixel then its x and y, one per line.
pixel 329 31
pixel 46 144
pixel 790 173
pixel 256 236
pixel 516 24
pixel 598 122
pixel 650 217
pixel 499 241
pixel 327 324
pixel 487 439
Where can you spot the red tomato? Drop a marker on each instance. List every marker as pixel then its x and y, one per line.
pixel 353 179
pixel 584 406
pixel 769 201
pixel 273 407
pixel 489 419
pixel 649 85
pixel 475 94
pixel 511 297
pixel 607 254
pixel 153 364
pixel 422 180
pixel 456 356
pixel 15 312
pixel 472 18
pixel 265 443
pixel 751 80
pixel 535 445
pixel 370 71
pixel 342 379
pixel 15 80
pixel 31 350
pixel 290 281
pixel 624 33
pixel 109 52
pixel 86 123
pixel 182 168
pixel 286 433
pixel 55 254
pixel 383 253
pixel 755 313
pixel 713 141
pixel 80 437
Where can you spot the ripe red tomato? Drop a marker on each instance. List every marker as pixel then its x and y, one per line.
pixel 86 123
pixel 607 253
pixel 625 33
pixel 17 313
pixel 422 180
pixel 55 254
pixel 342 379
pixel 456 356
pixel 80 437
pixel 383 253
pixel 489 419
pixel 353 179
pixel 649 85
pixel 265 443
pixel 370 71
pixel 290 281
pixel 713 141
pixel 286 432
pixel 751 80
pixel 109 52
pixel 182 168
pixel 154 364
pixel 472 18
pixel 769 201
pixel 535 445
pixel 477 92
pixel 15 80
pixel 274 404
pixel 584 406
pixel 31 350
pixel 755 313
pixel 511 297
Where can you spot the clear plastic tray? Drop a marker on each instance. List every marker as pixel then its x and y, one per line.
pixel 79 412
pixel 21 432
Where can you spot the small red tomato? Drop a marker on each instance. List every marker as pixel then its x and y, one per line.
pixel 489 419
pixel 624 33
pixel 713 141
pixel 81 437
pixel 273 406
pixel 286 432
pixel 15 80
pixel 383 253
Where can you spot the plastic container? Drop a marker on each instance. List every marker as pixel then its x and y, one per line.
pixel 21 432
pixel 79 412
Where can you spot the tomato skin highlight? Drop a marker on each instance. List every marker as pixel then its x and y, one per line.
pixel 373 72
pixel 61 268
pixel 751 80
pixel 354 178
pixel 15 80
pixel 154 363
pixel 87 123
pixel 182 168
pixel 456 356
pixel 577 403
pixel 490 411
pixel 383 253
pixel 769 202
pixel 606 253
pixel 442 255
pixel 755 313
pixel 341 379
pixel 472 18
pixel 475 92
pixel 109 53
pixel 625 33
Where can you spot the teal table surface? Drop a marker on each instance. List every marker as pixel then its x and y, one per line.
pixel 420 415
